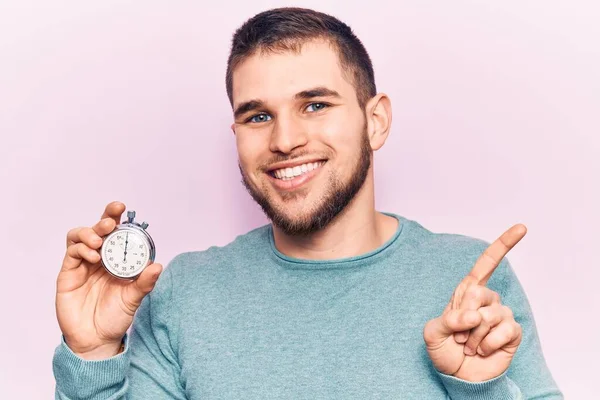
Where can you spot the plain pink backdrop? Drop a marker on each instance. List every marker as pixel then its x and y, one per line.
pixel 496 121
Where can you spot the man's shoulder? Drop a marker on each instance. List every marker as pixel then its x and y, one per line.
pixel 242 247
pixel 449 255
pixel 424 238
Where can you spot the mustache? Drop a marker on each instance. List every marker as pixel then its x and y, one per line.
pixel 280 158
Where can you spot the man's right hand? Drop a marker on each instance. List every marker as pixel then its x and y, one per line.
pixel 95 309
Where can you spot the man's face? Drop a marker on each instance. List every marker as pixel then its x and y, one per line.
pixel 301 136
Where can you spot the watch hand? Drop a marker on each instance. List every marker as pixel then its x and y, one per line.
pixel 126 241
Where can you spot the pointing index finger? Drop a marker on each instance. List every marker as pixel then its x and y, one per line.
pixel 492 256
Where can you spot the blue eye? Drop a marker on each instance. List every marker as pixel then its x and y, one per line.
pixel 316 106
pixel 260 118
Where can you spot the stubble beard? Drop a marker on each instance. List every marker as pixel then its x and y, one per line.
pixel 335 199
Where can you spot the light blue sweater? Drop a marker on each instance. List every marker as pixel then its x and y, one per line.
pixel 244 321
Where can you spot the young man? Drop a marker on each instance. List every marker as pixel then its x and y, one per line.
pixel 331 300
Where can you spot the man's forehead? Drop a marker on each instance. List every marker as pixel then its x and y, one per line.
pixel 278 76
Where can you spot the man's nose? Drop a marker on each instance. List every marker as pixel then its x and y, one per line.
pixel 288 133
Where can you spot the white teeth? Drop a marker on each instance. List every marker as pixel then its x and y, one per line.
pixel 290 173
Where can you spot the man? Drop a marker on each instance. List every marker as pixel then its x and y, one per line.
pixel 331 300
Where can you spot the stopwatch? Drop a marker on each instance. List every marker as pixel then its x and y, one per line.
pixel 128 249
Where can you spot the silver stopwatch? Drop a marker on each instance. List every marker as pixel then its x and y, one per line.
pixel 128 249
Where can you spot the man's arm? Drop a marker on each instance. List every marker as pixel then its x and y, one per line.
pixel 146 369
pixel 528 369
pixel 528 376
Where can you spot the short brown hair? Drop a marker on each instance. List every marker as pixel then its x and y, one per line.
pixel 287 29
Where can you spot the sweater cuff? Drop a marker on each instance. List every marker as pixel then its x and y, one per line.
pixel 85 379
pixel 498 388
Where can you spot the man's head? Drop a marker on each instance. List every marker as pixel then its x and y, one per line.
pixel 302 88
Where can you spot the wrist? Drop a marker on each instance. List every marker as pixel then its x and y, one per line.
pixel 500 387
pixel 100 352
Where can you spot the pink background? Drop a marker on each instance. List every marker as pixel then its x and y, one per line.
pixel 496 121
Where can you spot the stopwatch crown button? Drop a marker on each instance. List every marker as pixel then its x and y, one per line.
pixel 144 225
pixel 130 215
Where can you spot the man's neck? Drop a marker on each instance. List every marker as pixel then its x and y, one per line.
pixel 358 229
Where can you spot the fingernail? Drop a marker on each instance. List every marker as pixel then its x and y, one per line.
pixel 480 352
pixel 92 253
pixel 469 351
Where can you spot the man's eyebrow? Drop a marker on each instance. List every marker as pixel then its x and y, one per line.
pixel 246 106
pixel 320 91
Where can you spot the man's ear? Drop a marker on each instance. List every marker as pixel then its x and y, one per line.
pixel 233 128
pixel 378 112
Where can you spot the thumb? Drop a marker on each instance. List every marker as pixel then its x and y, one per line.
pixel 439 329
pixel 135 292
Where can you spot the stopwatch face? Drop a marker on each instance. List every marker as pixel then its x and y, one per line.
pixel 126 252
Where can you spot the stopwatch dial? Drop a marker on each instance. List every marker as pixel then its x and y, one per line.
pixel 125 253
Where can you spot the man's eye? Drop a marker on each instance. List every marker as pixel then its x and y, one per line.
pixel 259 118
pixel 316 107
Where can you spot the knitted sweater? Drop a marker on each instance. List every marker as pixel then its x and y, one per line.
pixel 244 321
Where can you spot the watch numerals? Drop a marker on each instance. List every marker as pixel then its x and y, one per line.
pixel 125 252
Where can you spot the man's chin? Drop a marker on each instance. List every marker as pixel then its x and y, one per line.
pixel 293 220
pixel 290 198
pixel 291 214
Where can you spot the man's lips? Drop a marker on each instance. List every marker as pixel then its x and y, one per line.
pixel 289 184
pixel 293 163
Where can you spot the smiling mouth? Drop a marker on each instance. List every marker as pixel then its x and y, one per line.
pixel 289 173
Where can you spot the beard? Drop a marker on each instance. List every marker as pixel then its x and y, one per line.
pixel 335 199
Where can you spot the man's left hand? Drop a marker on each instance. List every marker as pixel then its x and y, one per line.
pixel 476 336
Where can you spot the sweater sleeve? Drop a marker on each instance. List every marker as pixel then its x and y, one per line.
pixel 148 367
pixel 528 376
